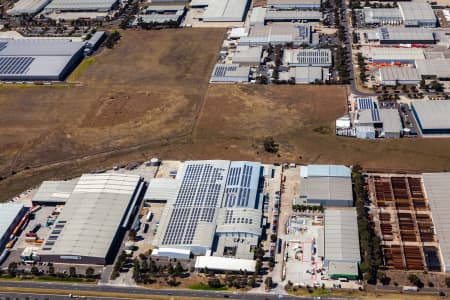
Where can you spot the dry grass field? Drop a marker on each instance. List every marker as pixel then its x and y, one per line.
pixel 150 97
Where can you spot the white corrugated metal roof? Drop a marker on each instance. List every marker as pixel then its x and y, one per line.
pixel 432 114
pixel 28 7
pixel 225 11
pixel 8 212
pixel 64 5
pixel 437 188
pixel 325 171
pixel 55 191
pixel 225 263
pixel 92 215
pixel 399 73
pixel 341 235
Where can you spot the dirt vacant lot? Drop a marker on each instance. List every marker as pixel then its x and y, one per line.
pixel 150 97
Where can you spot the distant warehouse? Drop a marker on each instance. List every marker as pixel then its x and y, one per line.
pixel 432 116
pixel 307 57
pixel 91 226
pixel 292 16
pixel 342 254
pixel 397 35
pixel 28 7
pixel 230 73
pixel 434 68
pixel 38 59
pixel 80 5
pixel 298 4
pixel 280 34
pixel 399 75
pixel 327 185
pixel 226 11
pixel 10 215
pixel 417 14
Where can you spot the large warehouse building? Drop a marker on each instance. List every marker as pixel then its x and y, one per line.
pixel 280 34
pixel 80 5
pixel 10 215
pixel 54 192
pixel 230 73
pixel 434 68
pixel 417 14
pixel 307 57
pixel 342 254
pixel 397 35
pixel 393 55
pixel 91 226
pixel 216 200
pixel 291 4
pixel 226 11
pixel 327 185
pixel 38 59
pixel 432 116
pixel 437 188
pixel 28 7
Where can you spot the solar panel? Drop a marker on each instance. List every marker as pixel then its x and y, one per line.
pixel 197 200
pixel 3 45
pixel 375 115
pixel 365 103
pixel 15 65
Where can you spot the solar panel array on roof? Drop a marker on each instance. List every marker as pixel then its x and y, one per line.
pixel 209 189
pixel 15 65
pixel 375 115
pixel 365 103
pixel 222 70
pixel 203 182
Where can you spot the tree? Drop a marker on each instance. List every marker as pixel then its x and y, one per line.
pixel 269 283
pixel 12 269
pixel 214 282
pixel 383 278
pixel 270 145
pixel 132 235
pixel 178 270
pixel 90 272
pixel 258 266
pixel 34 270
pixel 447 281
pixel 72 272
pixel 51 270
pixel 415 280
pixel 251 282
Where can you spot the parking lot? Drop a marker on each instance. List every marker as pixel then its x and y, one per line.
pixel 303 264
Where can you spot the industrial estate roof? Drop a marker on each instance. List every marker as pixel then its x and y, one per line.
pixel 246 54
pixel 225 11
pixel 307 74
pixel 325 171
pixel 209 188
pixel 8 212
pixel 293 2
pixel 432 114
pixel 55 191
pixel 28 7
pixel 307 57
pixel 327 189
pixel 162 189
pixel 278 33
pixel 393 54
pixel 225 263
pixel 341 235
pixel 437 188
pixel 276 15
pixel 391 120
pixel 399 73
pixel 434 67
pixel 36 58
pixel 405 34
pixel 412 11
pixel 375 15
pixel 230 72
pixel 95 211
pixel 80 5
pixel 257 15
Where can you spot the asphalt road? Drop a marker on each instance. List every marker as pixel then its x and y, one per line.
pixel 73 288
